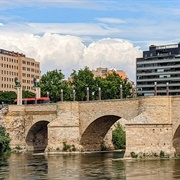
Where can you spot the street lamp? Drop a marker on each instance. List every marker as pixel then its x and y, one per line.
pixel 99 93
pixel 74 95
pixel 93 95
pixel 48 94
pixel 61 94
pixel 155 88
pixel 133 91
pixel 121 94
pixel 87 95
pixel 167 89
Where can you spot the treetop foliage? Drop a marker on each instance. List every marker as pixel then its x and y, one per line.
pixel 53 82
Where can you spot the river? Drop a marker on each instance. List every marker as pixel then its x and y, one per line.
pixel 86 166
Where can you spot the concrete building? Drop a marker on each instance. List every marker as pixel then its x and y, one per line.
pixel 105 71
pixel 17 65
pixel 158 71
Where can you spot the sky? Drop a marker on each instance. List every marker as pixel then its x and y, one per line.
pixel 70 34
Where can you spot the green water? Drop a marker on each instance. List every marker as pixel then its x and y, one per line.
pixel 86 167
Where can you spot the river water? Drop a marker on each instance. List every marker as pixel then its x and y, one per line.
pixel 86 166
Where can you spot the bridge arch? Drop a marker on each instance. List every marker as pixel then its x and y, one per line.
pixel 93 136
pixel 176 141
pixel 37 136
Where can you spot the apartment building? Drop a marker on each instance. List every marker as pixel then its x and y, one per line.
pixel 14 64
pixel 158 71
pixel 105 71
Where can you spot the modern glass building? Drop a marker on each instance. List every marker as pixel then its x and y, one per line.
pixel 158 71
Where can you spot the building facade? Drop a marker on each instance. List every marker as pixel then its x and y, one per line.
pixel 14 64
pixel 158 71
pixel 103 72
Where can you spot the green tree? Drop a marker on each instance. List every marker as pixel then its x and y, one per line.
pixel 7 97
pixel 53 82
pixel 4 140
pixel 119 137
pixel 80 81
pixel 110 86
pixel 27 94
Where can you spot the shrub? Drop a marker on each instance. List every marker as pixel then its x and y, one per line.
pixel 4 140
pixel 18 147
pixel 119 137
pixel 66 147
pixel 134 155
pixel 162 154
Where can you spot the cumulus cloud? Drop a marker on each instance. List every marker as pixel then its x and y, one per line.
pixel 56 51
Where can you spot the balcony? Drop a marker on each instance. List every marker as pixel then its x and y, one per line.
pixel 158 73
pixel 158 61
pixel 158 79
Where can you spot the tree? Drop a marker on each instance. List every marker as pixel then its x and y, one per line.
pixel 4 140
pixel 53 82
pixel 110 86
pixel 119 137
pixel 80 81
pixel 7 97
pixel 27 94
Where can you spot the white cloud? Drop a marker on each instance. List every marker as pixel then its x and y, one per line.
pixel 110 20
pixel 68 52
pixel 78 29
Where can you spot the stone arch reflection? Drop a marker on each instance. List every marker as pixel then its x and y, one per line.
pixel 93 137
pixel 37 137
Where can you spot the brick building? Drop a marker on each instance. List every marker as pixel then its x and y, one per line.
pixel 14 64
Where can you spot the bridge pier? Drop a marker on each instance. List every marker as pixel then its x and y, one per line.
pixel 149 140
pixel 63 132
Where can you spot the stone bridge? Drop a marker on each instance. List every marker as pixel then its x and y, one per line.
pixel 151 124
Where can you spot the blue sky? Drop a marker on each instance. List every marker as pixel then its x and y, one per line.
pixel 138 22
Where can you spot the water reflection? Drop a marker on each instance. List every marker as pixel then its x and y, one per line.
pixel 86 166
pixel 4 168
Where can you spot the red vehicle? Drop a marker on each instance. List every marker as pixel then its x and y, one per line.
pixel 40 100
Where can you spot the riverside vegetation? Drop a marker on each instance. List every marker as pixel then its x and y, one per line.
pixel 4 141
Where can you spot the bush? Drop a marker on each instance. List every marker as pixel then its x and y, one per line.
pixel 161 154
pixel 4 140
pixel 134 155
pixel 119 137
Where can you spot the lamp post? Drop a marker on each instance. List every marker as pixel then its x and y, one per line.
pixel 99 93
pixel 87 95
pixel 155 88
pixel 37 89
pixel 167 89
pixel 74 95
pixel 121 94
pixel 93 95
pixel 133 91
pixel 19 91
pixel 48 94
pixel 61 94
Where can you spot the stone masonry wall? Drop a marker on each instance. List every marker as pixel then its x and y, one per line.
pixel 149 140
pixel 20 119
pixel 90 111
pixel 65 128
